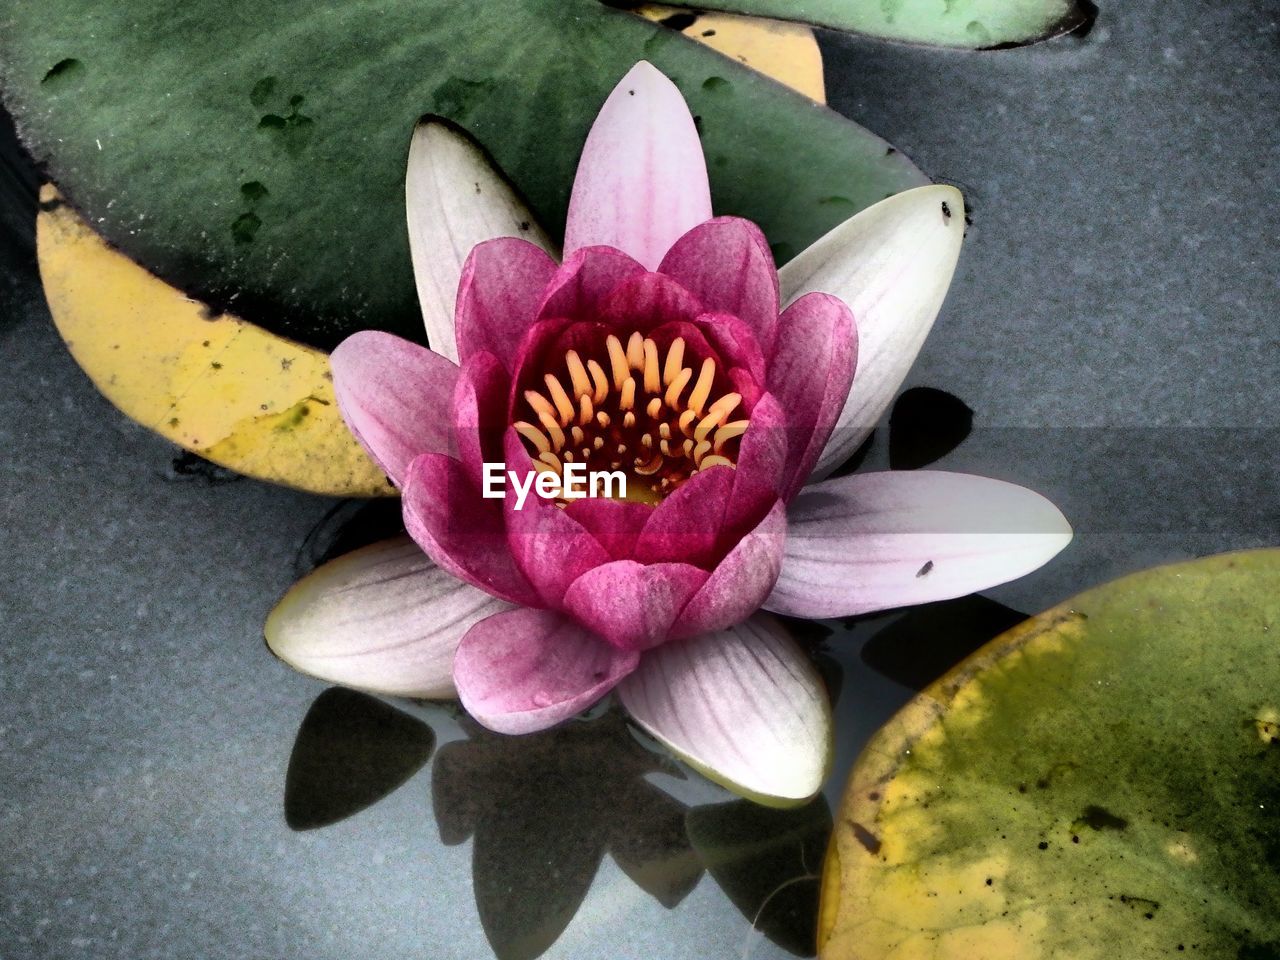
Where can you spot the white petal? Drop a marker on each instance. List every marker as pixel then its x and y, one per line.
pixel 384 618
pixel 892 264
pixel 455 198
pixel 744 706
pixel 875 541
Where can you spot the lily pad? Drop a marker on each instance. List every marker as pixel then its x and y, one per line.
pixel 972 24
pixel 316 109
pixel 1104 777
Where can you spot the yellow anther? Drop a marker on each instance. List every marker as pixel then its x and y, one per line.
pixel 628 420
pixel 617 360
pixel 539 403
pixel 725 405
pixel 533 435
pixel 652 373
pixel 715 460
pixel 686 422
pixel 702 389
pixel 564 406
pixel 586 410
pixel 550 459
pixel 675 361
pixel 730 430
pixel 650 468
pixel 681 380
pixel 602 418
pixel 578 434
pixel 600 381
pixel 707 424
pixel 577 374
pixel 635 351
pixel 700 451
pixel 628 398
pixel 654 408
pixel 549 424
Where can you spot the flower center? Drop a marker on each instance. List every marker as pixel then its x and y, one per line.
pixel 631 410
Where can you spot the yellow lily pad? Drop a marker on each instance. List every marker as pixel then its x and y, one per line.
pixel 1102 781
pixel 241 396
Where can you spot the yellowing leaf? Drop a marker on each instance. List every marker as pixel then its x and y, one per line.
pixel 1102 781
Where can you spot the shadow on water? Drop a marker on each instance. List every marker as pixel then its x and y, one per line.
pixel 351 751
pixel 925 642
pixel 543 810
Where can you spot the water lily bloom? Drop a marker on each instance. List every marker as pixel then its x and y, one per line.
pixel 667 347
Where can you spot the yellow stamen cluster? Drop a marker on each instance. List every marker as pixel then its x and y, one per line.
pixel 636 411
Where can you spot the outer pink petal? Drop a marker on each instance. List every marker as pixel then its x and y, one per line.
pixel 762 463
pixel 745 706
pixel 810 373
pixel 480 413
pixel 384 618
pixel 726 263
pixel 526 670
pixel 579 287
pixel 615 524
pixel 646 301
pixel 741 582
pixel 687 524
pixel 633 605
pixel 463 532
pixel 550 546
pixel 502 286
pixel 736 342
pixel 642 180
pixel 393 395
pixel 879 540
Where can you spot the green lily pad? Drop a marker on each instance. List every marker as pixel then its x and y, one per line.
pixel 253 154
pixel 1101 781
pixel 972 24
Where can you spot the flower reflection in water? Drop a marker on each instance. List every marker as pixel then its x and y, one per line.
pixel 543 810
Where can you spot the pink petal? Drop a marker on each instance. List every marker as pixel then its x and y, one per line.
pixel 642 180
pixel 550 546
pixel 646 301
pixel 687 524
pixel 502 286
pixel 735 341
pixel 460 530
pixel 744 706
pixel 393 395
pixel 633 605
pixel 810 373
pixel 615 524
pixel 579 287
pixel 762 462
pixel 879 540
pixel 741 581
pixel 480 413
pixel 526 670
pixel 384 618
pixel 726 263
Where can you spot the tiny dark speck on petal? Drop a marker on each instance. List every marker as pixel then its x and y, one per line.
pixel 1043 845
pixel 924 571
pixel 946 210
pixel 631 93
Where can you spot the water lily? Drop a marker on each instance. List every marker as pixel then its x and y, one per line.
pixel 667 346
